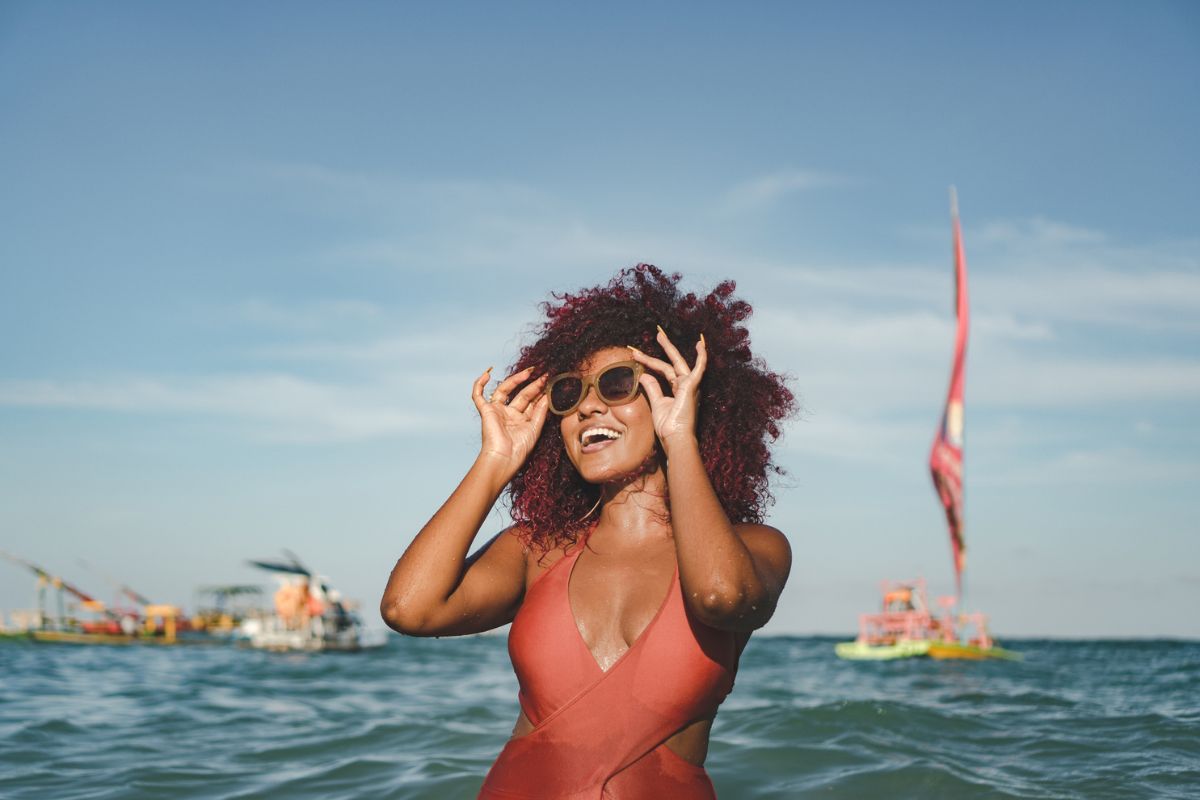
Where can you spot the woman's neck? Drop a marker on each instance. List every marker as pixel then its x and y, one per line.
pixel 634 510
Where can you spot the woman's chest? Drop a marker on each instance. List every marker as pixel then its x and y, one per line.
pixel 614 599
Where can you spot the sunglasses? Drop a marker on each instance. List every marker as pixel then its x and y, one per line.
pixel 616 385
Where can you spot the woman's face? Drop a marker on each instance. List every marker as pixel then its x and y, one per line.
pixel 606 442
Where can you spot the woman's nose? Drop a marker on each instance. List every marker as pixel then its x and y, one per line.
pixel 591 402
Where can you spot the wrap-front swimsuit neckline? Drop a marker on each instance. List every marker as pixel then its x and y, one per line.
pixel 570 570
pixel 601 734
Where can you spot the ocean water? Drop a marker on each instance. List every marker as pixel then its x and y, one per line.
pixel 425 718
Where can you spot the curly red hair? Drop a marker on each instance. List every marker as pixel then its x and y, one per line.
pixel 742 403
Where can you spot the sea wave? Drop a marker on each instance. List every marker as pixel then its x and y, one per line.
pixel 424 718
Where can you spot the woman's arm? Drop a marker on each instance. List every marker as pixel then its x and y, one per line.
pixel 434 589
pixel 731 576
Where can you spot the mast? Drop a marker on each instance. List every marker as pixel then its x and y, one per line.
pixel 53 580
pixel 946 455
pixel 131 594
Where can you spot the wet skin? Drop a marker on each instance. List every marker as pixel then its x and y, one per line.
pixel 619 583
pixel 731 575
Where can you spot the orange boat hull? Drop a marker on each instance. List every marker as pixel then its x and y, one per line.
pixel 968 652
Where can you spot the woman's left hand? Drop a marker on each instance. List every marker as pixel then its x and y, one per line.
pixel 674 415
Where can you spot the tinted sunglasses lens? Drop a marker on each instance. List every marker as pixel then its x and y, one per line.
pixel 617 384
pixel 564 394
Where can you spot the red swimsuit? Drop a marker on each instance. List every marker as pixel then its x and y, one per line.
pixel 600 734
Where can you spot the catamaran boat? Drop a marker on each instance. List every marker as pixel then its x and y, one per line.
pixel 907 626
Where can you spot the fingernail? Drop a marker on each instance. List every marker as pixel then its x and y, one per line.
pixel 660 330
pixel 634 349
pixel 489 369
pixel 702 340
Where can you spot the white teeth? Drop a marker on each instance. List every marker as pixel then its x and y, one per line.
pixel 592 435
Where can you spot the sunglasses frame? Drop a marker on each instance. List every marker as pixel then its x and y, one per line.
pixel 593 382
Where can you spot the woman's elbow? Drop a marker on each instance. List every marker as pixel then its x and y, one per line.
pixel 719 606
pixel 404 619
pixel 731 611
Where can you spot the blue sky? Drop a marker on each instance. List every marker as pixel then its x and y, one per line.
pixel 254 255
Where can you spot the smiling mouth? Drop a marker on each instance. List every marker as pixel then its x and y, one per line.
pixel 597 438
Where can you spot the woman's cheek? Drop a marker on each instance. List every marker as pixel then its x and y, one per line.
pixel 569 437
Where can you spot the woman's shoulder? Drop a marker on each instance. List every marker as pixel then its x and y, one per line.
pixel 537 560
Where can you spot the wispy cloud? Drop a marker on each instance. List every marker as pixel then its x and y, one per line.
pixel 332 188
pixel 1151 299
pixel 447 339
pixel 857 438
pixel 530 248
pixel 914 284
pixel 866 340
pixel 1107 466
pixel 1035 270
pixel 1002 327
pixel 1151 288
pixel 1058 271
pixel 1016 381
pixel 766 190
pixel 1037 231
pixel 281 407
pixel 308 317
pixel 866 359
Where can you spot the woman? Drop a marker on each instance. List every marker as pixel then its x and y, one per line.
pixel 637 565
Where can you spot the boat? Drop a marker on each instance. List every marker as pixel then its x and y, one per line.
pixel 907 627
pixel 85 620
pixel 970 652
pixel 309 615
pixel 903 628
pixel 864 651
pixel 221 610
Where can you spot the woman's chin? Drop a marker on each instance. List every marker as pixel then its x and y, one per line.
pixel 598 472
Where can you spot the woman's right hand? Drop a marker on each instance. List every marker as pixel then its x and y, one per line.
pixel 511 425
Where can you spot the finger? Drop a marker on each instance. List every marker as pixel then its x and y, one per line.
pixel 508 384
pixel 654 392
pixel 477 388
pixel 515 380
pixel 539 409
pixel 656 364
pixel 672 352
pixel 701 357
pixel 525 396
